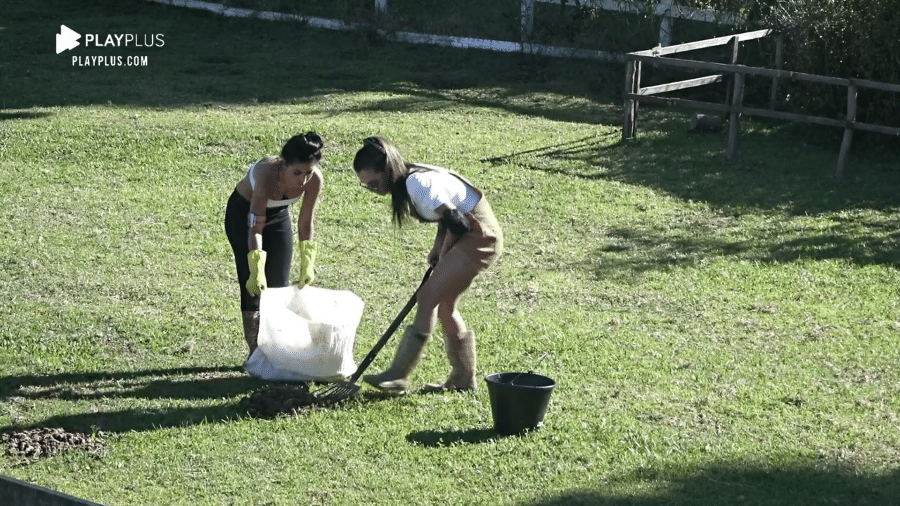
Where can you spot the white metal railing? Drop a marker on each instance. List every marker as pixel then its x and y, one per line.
pixel 666 9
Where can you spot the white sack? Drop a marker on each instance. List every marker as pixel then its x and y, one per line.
pixel 305 334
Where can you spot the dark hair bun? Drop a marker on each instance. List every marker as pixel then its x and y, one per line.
pixel 314 139
pixel 303 148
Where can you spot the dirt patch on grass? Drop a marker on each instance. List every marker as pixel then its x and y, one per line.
pixel 273 400
pixel 46 442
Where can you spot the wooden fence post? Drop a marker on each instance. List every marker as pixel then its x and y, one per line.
pixel 629 102
pixel 735 46
pixel 632 85
pixel 852 91
pixel 734 122
pixel 779 64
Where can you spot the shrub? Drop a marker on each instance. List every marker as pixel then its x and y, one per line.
pixel 849 38
pixel 838 38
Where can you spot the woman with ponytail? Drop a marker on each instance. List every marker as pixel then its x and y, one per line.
pixel 258 223
pixel 467 242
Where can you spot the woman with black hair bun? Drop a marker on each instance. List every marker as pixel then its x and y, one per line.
pixel 468 241
pixel 258 223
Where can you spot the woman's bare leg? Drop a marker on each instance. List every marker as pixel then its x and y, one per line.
pixel 455 273
pixel 452 276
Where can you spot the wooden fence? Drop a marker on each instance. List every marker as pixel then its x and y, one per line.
pixel 734 106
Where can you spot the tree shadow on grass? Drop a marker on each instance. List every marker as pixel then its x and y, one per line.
pixel 6 116
pixel 636 250
pixel 211 59
pixel 148 388
pixel 521 100
pixel 772 171
pixel 738 483
pixel 759 210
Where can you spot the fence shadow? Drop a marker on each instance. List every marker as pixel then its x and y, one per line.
pixel 92 385
pixel 135 419
pixel 184 384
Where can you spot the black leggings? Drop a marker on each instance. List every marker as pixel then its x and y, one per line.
pixel 278 243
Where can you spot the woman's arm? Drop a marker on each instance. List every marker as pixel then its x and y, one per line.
pixel 306 228
pixel 256 219
pixel 438 248
pixel 455 225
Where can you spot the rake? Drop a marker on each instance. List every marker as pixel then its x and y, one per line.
pixel 337 392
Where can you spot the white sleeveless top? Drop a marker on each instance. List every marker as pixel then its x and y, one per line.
pixel 251 175
pixel 436 186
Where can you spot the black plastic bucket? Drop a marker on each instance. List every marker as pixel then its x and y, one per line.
pixel 518 400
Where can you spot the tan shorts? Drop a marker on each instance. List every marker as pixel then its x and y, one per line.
pixel 483 243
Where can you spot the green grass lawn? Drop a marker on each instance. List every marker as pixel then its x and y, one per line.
pixel 720 333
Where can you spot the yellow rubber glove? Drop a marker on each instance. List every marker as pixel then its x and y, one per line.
pixel 307 263
pixel 257 282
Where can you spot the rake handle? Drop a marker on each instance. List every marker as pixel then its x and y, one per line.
pixel 390 331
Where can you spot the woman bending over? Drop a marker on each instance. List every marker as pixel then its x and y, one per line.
pixel 467 242
pixel 258 224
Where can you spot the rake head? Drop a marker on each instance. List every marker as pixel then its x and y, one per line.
pixel 335 393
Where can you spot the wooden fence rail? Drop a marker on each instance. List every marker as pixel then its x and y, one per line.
pixel 733 106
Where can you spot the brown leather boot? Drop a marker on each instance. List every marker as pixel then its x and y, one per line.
pixel 395 380
pixel 251 329
pixel 461 353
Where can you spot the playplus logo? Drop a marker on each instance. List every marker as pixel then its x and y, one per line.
pixel 68 39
